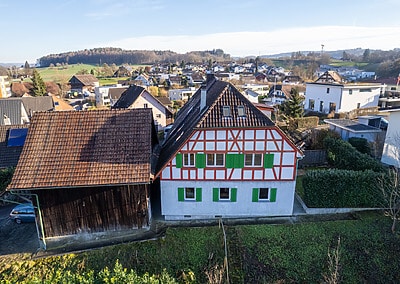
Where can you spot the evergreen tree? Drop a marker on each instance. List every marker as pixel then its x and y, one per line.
pixel 293 107
pixel 39 87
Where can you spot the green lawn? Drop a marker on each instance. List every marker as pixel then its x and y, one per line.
pixel 296 253
pixel 54 73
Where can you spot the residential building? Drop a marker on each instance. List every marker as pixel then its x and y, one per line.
pixel 391 148
pixel 139 97
pixel 83 84
pixel 5 90
pixel 181 94
pixel 107 95
pixel 224 158
pixel 329 93
pixel 12 139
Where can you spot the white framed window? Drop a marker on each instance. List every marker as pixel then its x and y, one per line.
pixel 224 193
pixel 263 193
pixel 241 111
pixel 253 160
pixel 215 159
pixel 226 111
pixel 188 159
pixel 190 193
pixel 145 105
pixel 158 115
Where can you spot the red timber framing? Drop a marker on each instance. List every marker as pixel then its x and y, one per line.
pixel 279 156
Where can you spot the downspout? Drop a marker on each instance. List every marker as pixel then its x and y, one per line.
pixel 41 231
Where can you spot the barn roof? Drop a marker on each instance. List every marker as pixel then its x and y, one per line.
pixel 86 148
pixel 9 154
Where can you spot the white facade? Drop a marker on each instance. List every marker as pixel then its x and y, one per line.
pixel 5 90
pixel 391 148
pixel 146 100
pixel 101 95
pixel 275 171
pixel 326 98
pixel 181 94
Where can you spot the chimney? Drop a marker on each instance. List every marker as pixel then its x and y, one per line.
pixel 203 96
pixel 210 79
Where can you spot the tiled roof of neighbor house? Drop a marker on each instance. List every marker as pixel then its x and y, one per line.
pixel 165 101
pixel 34 104
pixel 128 97
pixel 60 104
pixel 18 89
pixel 86 148
pixel 12 107
pixel 9 155
pixel 86 80
pixel 332 77
pixel 351 125
pixel 115 93
pixel 190 117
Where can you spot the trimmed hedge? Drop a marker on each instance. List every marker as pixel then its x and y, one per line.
pixel 361 144
pixel 342 155
pixel 336 188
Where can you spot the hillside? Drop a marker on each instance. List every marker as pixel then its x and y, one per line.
pixel 118 56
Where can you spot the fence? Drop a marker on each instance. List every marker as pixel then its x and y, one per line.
pixel 313 158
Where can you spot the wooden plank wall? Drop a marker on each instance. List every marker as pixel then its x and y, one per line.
pixel 93 209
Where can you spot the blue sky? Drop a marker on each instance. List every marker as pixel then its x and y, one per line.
pixel 32 29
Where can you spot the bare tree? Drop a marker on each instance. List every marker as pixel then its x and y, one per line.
pixel 390 185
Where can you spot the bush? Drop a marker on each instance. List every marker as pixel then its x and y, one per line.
pixel 361 144
pixel 342 155
pixel 5 178
pixel 342 188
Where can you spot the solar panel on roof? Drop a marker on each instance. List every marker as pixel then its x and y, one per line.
pixel 16 137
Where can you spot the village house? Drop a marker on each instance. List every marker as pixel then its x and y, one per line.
pixel 12 139
pixel 391 148
pixel 139 97
pixel 224 158
pixel 83 84
pixel 331 94
pixel 181 94
pixel 88 173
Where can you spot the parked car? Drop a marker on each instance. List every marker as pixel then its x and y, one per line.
pixel 23 213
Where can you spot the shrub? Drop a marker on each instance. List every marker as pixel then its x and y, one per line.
pixel 361 144
pixel 342 155
pixel 5 178
pixel 342 188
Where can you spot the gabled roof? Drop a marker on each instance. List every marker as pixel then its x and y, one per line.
pixel 86 80
pixel 86 148
pixel 330 77
pixel 12 108
pixel 33 104
pixel 128 97
pixel 115 93
pixel 60 104
pixel 9 155
pixel 191 118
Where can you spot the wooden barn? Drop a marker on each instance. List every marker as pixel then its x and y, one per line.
pixel 88 171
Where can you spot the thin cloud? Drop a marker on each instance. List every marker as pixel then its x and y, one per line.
pixel 262 43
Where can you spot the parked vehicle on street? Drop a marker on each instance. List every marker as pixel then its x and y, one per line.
pixel 23 213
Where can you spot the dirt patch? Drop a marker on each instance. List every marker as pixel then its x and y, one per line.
pixel 16 238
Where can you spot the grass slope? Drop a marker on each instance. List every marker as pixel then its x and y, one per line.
pixel 256 254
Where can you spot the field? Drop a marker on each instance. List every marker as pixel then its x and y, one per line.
pixel 299 253
pixel 51 73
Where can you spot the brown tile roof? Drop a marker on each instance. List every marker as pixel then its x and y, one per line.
pixel 86 148
pixel 18 89
pixel 60 104
pixel 9 155
pixel 189 117
pixel 86 80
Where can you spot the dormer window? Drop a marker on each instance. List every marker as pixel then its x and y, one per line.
pixel 226 111
pixel 241 111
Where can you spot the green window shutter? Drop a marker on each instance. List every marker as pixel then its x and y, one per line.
pixel 198 194
pixel 200 161
pixel 229 160
pixel 239 161
pixel 272 197
pixel 178 160
pixel 233 194
pixel 181 194
pixel 215 194
pixel 268 161
pixel 255 195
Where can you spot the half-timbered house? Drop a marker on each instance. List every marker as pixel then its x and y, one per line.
pixel 225 158
pixel 88 171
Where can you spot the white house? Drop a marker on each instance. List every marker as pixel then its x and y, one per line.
pixel 5 90
pixel 138 97
pixel 391 148
pixel 223 158
pixel 181 94
pixel 104 96
pixel 329 93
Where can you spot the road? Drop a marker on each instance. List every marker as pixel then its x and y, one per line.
pixel 16 238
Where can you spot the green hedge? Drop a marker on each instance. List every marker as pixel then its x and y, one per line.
pixel 342 155
pixel 361 144
pixel 5 178
pixel 336 188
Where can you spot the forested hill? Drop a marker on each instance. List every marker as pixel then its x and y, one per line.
pixel 119 56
